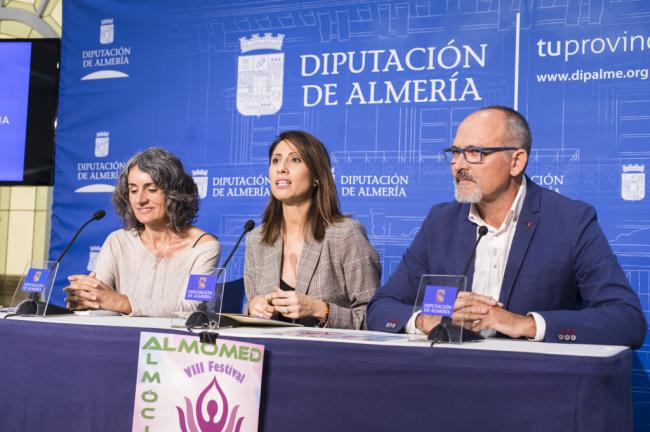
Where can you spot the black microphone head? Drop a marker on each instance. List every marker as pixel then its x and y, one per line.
pixel 249 225
pixel 482 230
pixel 99 214
pixel 27 307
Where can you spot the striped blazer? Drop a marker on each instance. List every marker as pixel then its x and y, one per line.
pixel 343 269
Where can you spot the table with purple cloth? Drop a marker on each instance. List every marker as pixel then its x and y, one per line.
pixel 79 374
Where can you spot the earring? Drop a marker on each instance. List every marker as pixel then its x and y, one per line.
pixel 315 183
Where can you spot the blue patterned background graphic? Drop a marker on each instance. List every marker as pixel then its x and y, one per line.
pixel 172 73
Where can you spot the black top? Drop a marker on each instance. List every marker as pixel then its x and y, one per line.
pixel 285 286
pixel 308 322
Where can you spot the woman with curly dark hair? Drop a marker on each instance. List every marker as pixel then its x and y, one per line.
pixel 143 267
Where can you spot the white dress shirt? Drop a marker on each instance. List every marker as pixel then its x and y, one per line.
pixel 491 259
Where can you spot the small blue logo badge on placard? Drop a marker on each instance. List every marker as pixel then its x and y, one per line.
pixel 35 280
pixel 439 300
pixel 201 287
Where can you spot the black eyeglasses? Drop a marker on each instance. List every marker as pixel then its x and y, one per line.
pixel 472 154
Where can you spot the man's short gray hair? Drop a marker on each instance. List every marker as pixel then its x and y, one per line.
pixel 518 130
pixel 167 172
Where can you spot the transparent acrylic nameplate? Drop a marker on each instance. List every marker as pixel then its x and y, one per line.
pixel 34 289
pixel 206 290
pixel 435 301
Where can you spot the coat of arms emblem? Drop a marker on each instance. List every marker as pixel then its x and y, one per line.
pixel 633 182
pixel 201 179
pixel 92 257
pixel 260 77
pixel 102 140
pixel 107 31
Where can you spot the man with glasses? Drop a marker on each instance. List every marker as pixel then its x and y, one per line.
pixel 542 269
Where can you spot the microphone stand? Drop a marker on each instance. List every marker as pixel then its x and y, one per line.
pixel 447 331
pixel 34 306
pixel 202 316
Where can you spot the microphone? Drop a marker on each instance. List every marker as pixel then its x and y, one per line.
pixel 202 315
pixel 482 230
pixel 248 227
pixel 96 216
pixel 33 306
pixel 447 331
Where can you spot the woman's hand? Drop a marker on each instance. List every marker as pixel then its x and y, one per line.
pixel 86 292
pixel 259 306
pixel 294 305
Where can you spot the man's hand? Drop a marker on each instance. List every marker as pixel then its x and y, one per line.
pixel 469 307
pixel 507 323
pixel 425 323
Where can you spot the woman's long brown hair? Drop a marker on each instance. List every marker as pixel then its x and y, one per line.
pixel 324 208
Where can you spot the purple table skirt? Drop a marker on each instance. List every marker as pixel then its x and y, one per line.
pixel 82 378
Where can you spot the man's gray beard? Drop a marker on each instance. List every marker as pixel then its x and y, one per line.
pixel 473 196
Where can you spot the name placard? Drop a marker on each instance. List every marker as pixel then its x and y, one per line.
pixel 35 280
pixel 439 300
pixel 201 287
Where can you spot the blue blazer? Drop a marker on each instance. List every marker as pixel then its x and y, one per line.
pixel 560 265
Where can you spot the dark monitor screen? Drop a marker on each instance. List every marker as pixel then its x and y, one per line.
pixel 29 79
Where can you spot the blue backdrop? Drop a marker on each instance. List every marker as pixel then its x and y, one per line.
pixel 383 84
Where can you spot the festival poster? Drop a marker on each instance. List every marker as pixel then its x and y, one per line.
pixel 185 385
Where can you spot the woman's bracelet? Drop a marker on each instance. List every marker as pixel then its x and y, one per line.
pixel 323 321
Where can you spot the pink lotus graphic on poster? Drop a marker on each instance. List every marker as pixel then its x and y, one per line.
pixel 185 385
pixel 218 420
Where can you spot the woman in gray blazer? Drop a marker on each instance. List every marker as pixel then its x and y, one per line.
pixel 308 262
